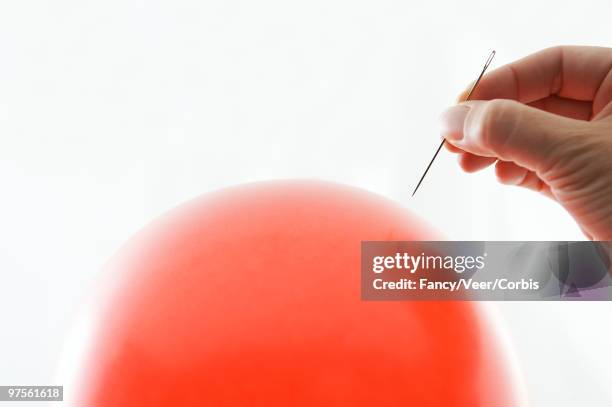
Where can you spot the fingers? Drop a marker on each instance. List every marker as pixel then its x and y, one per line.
pixel 579 73
pixel 472 163
pixel 507 172
pixel 452 148
pixel 509 131
pixel 574 109
pixel 512 174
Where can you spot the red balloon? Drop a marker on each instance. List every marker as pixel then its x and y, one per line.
pixel 250 296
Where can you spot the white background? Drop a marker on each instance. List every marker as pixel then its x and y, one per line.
pixel 112 112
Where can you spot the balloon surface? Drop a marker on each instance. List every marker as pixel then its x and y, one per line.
pixel 250 296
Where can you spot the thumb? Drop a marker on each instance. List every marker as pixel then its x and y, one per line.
pixel 510 131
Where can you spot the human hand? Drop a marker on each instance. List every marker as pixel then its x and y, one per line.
pixel 546 123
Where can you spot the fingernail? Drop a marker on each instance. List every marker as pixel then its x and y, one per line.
pixel 451 122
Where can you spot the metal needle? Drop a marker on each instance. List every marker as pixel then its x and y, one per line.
pixel 486 65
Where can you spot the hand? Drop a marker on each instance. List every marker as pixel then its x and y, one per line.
pixel 546 123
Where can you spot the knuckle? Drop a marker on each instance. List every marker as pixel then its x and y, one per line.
pixel 498 123
pixel 555 49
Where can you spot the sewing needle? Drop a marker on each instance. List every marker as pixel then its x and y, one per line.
pixel 486 65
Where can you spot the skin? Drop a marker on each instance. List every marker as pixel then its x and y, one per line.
pixel 545 121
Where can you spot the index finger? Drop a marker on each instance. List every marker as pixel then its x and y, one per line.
pixel 571 72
